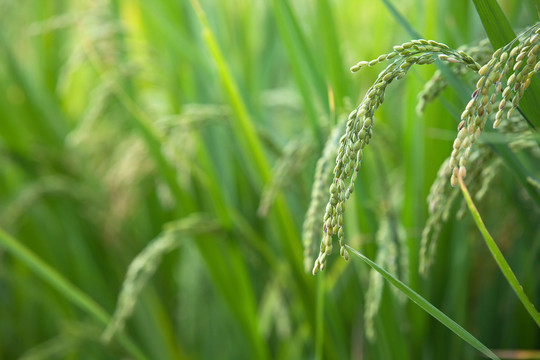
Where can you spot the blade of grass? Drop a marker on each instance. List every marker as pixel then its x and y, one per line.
pixel 304 71
pixel 154 138
pixel 517 168
pixel 400 19
pixel 62 285
pixel 498 256
pixel 461 90
pixel 251 146
pixel 332 52
pixel 48 120
pixel 231 277
pixel 428 307
pixel 500 33
pixel 253 150
pixel 295 31
pixel 495 23
pixel 242 125
pixel 297 51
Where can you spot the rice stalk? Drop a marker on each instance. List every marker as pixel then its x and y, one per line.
pixel 498 256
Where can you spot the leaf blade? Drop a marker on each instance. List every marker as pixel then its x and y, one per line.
pixel 428 307
pixel 498 256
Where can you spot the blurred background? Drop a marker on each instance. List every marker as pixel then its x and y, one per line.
pixel 199 124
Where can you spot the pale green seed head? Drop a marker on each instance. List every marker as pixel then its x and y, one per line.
pixel 483 70
pixel 514 51
pixel 407 45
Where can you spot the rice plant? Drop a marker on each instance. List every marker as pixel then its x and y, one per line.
pixel 174 172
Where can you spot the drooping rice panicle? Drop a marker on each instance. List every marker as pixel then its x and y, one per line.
pixel 146 262
pixel 359 130
pixel 518 61
pixel 481 52
pixel 290 162
pixel 442 197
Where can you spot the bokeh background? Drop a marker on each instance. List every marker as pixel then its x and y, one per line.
pixel 124 122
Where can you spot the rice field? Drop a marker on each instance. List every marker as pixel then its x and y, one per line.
pixel 201 179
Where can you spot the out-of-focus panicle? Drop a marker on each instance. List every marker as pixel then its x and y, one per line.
pixel 293 158
pixel 486 166
pixel 311 230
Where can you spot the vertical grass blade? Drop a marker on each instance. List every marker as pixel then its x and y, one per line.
pixel 48 120
pixel 498 256
pixel 495 23
pixel 428 307
pixel 242 125
pixel 307 77
pixel 252 149
pixel 332 51
pixel 459 87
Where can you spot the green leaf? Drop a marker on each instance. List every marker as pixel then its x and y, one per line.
pixel 308 79
pixel 498 256
pixel 517 168
pixel 428 307
pixel 242 123
pixel 460 88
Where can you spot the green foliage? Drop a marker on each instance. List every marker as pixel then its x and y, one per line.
pixel 178 145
